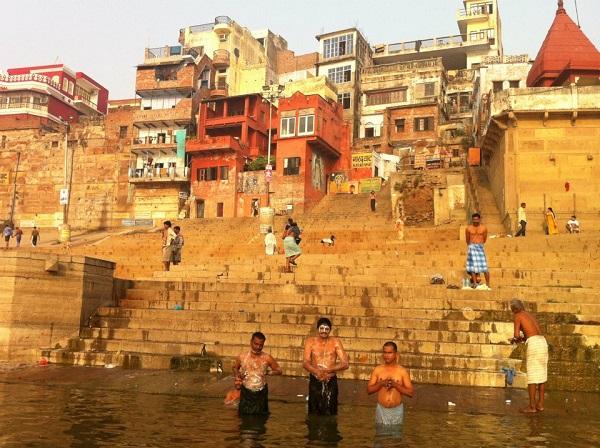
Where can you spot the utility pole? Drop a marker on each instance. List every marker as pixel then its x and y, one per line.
pixel 271 92
pixel 14 196
pixel 64 230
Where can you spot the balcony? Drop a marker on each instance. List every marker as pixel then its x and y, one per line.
pixel 221 90
pixel 153 175
pixel 426 64
pixel 157 142
pixel 214 144
pixel 169 54
pixel 451 48
pixel 222 25
pixel 178 116
pixel 221 59
pixel 454 109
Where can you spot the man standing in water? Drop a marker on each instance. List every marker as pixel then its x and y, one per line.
pixel 476 236
pixel 324 356
pixel 537 354
pixel 250 371
pixel 390 381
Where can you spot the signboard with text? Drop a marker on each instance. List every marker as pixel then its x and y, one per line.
pixel 64 196
pixel 362 160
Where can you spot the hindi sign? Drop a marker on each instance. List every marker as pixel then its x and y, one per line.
pixel 362 160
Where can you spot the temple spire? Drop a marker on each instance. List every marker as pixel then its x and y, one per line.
pixel 561 6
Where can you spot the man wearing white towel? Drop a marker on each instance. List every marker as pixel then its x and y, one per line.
pixel 537 354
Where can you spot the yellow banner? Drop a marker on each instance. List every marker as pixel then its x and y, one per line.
pixel 362 160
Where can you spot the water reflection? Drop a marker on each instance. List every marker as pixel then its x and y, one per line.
pixel 253 430
pixel 322 430
pixel 42 416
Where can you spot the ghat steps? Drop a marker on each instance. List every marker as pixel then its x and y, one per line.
pixel 373 286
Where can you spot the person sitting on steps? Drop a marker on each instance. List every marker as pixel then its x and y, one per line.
pixel 328 241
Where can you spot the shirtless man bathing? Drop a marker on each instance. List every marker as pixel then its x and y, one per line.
pixel 250 371
pixel 537 354
pixel 476 235
pixel 324 356
pixel 390 382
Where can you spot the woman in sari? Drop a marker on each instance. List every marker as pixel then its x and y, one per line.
pixel 291 248
pixel 551 224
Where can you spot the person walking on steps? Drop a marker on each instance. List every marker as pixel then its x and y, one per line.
pixel 373 201
pixel 7 233
pixel 35 236
pixel 168 237
pixel 291 248
pixel 522 218
pixel 18 236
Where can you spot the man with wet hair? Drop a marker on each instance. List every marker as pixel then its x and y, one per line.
pixel 250 371
pixel 390 381
pixel 476 236
pixel 537 354
pixel 324 356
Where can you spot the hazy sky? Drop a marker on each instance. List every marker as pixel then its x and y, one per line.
pixel 106 38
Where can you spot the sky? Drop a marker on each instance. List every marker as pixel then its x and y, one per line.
pixel 106 38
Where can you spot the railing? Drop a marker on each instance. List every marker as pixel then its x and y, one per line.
pixel 402 66
pixel 221 57
pixel 164 52
pixel 24 105
pixel 472 13
pixel 462 109
pixel 150 173
pixel 416 46
pixel 208 26
pixel 155 140
pixel 30 77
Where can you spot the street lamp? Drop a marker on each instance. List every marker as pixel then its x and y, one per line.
pixel 64 230
pixel 270 92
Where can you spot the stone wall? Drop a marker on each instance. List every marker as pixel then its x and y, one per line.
pixel 97 170
pixel 46 298
pixel 429 197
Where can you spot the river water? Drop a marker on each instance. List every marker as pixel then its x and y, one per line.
pixel 96 408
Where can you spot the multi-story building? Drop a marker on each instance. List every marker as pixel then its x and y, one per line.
pixel 480 35
pixel 399 87
pixel 232 132
pixel 313 142
pixel 342 55
pixel 47 96
pixel 244 60
pixel 170 83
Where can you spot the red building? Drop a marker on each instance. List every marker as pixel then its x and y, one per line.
pixel 313 142
pixel 44 96
pixel 232 132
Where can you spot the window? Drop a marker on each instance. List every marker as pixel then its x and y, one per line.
pixel 65 85
pixel 338 46
pixel 205 78
pixel 514 84
pixel 430 89
pixel 400 124
pixel 223 37
pixel 291 166
pixel 423 124
pixel 207 174
pixel 390 96
pixel 339 75
pixel 288 126
pixel 122 131
pixel 498 86
pixel 3 144
pixel 306 125
pixel 223 172
pixel 345 100
pixel 369 132
pixel 168 73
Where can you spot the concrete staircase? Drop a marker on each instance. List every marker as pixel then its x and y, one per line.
pixel 485 203
pixel 373 286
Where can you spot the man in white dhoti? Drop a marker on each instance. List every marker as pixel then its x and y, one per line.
pixel 537 354
pixel 270 242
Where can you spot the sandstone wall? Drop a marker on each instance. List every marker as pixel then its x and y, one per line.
pixel 44 299
pixel 97 170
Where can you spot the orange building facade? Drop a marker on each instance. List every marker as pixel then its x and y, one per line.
pixel 310 141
